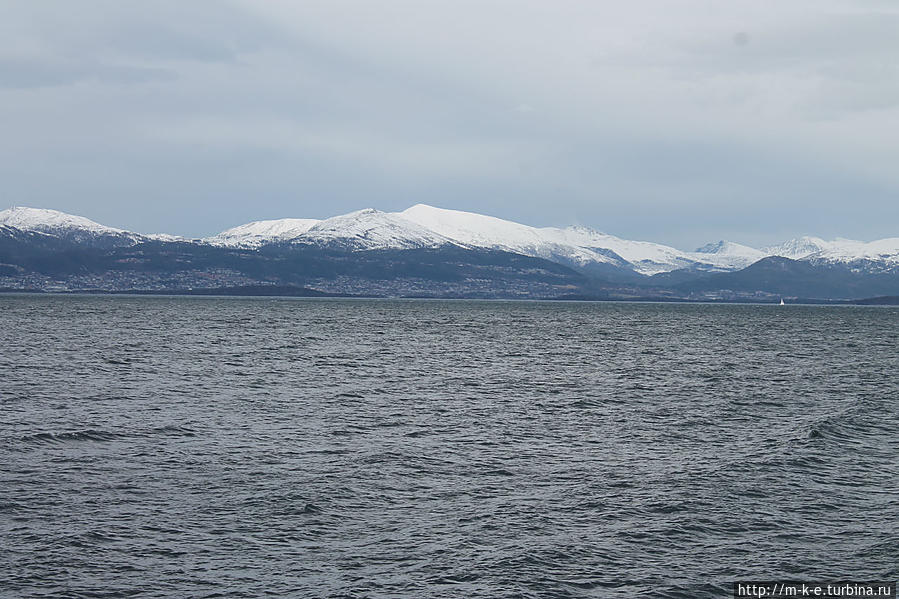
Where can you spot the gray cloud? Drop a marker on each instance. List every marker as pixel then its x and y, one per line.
pixel 668 121
pixel 24 74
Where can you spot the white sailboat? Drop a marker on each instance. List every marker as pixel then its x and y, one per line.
pixel 781 301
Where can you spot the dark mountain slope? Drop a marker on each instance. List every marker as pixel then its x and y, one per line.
pixel 795 278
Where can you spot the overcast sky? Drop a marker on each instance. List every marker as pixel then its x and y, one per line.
pixel 680 122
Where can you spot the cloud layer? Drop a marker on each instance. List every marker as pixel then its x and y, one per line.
pixel 679 122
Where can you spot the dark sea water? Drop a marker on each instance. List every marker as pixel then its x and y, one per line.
pixel 203 447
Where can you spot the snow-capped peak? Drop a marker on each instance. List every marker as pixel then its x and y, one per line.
pixel 77 229
pixel 423 226
pixel 371 229
pixel 479 230
pixel 577 246
pixel 727 255
pixel 875 256
pixel 730 248
pixel 798 248
pixel 50 221
pixel 873 250
pixel 646 257
pixel 470 228
pixel 72 228
pixel 261 232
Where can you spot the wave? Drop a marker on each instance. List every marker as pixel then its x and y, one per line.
pixel 98 436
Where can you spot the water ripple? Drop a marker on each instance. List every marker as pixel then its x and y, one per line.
pixel 325 448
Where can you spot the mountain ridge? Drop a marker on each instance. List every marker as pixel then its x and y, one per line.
pixel 457 235
pixel 574 245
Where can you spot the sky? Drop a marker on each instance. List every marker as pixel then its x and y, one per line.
pixel 675 121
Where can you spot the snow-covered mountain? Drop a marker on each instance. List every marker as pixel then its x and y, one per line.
pixel 477 230
pixel 644 257
pixel 796 249
pixel 258 233
pixel 578 246
pixel 846 251
pixel 50 221
pixel 423 226
pixel 582 247
pixel 727 255
pixel 361 230
pixel 371 229
pixel 66 226
pixel 76 229
pixel 875 256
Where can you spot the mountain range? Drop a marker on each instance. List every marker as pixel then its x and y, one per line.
pixel 430 251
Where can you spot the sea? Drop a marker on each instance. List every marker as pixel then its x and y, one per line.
pixel 257 447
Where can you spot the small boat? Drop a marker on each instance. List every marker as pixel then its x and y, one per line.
pixel 781 301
